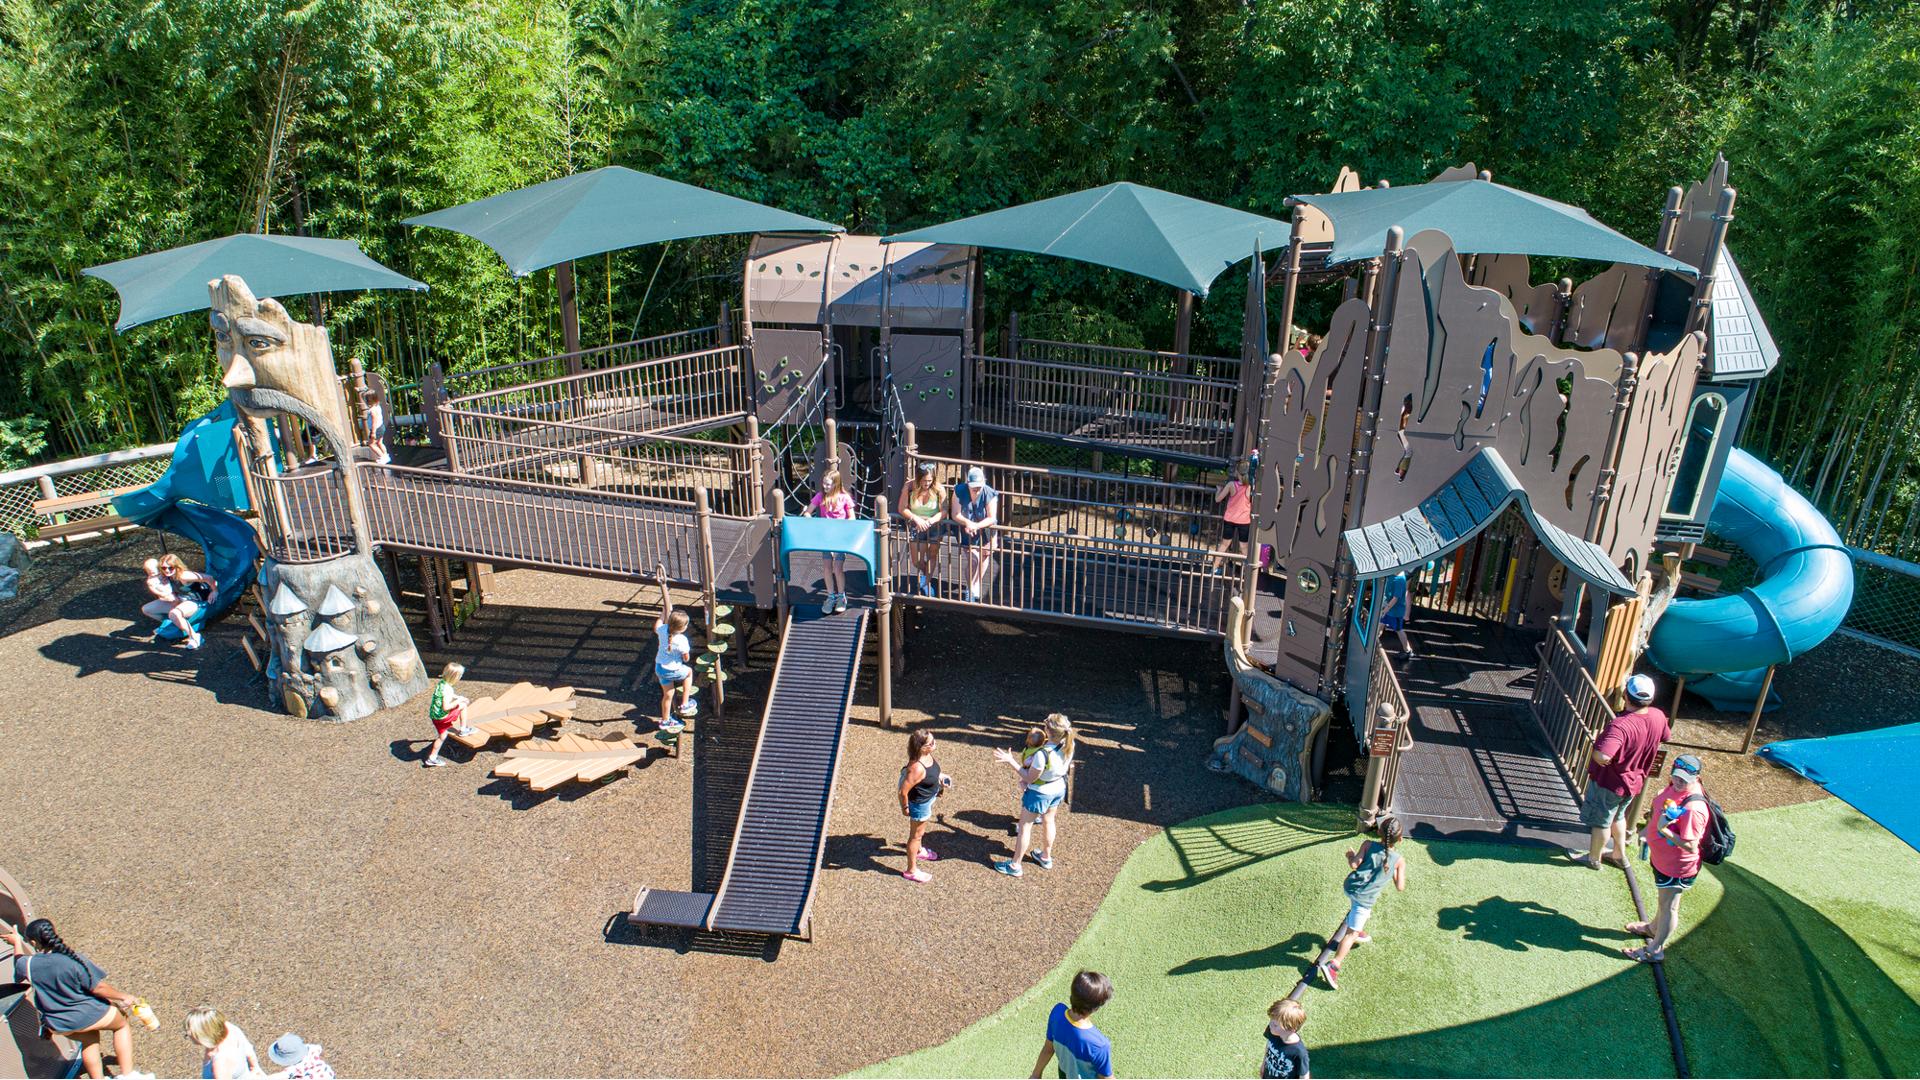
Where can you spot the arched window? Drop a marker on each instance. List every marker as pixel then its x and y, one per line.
pixel 1706 420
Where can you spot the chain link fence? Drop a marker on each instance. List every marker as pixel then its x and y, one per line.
pixel 1886 602
pixel 20 489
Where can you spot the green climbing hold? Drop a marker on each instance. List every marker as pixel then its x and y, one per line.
pixel 716 646
pixel 721 611
pixel 721 630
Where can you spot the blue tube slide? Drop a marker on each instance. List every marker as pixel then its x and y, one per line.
pixel 196 498
pixel 1723 646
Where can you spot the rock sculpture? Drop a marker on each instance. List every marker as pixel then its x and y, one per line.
pixel 1274 746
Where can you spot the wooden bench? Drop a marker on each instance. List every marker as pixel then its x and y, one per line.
pixel 56 508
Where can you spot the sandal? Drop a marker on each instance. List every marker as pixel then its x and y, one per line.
pixel 1643 955
pixel 1640 929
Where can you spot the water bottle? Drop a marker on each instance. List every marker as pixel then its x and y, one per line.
pixel 1643 849
pixel 143 1012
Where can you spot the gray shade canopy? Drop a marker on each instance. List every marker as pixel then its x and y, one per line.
pixel 1480 217
pixel 1156 234
pixel 175 281
pixel 606 210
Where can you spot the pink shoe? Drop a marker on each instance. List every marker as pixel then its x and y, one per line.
pixel 927 855
pixel 918 877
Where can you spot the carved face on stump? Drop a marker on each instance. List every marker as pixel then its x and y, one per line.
pixel 261 347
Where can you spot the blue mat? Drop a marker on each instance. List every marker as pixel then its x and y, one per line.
pixel 1871 770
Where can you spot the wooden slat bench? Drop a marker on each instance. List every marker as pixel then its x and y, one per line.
pixel 52 510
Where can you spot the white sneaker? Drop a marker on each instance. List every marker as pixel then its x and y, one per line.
pixel 973 593
pixel 193 642
pixel 840 602
pixel 689 710
pixel 466 729
pixel 827 608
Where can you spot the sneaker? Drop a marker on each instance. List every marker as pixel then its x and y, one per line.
pixel 689 710
pixel 1330 972
pixel 433 762
pixel 193 642
pixel 1361 937
pixel 672 727
pixel 840 602
pixel 1044 862
pixel 925 589
pixel 827 608
pixel 1006 867
pixel 927 855
pixel 918 877
pixel 973 593
pixel 466 729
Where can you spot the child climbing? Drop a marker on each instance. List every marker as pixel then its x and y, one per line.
pixel 1237 517
pixel 1371 867
pixel 832 501
pixel 672 661
pixel 1043 768
pixel 448 710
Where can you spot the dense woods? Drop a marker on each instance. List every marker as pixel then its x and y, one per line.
pixel 128 126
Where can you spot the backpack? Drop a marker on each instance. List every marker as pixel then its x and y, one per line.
pixel 1717 843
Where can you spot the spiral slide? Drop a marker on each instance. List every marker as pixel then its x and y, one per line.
pixel 195 498
pixel 1723 646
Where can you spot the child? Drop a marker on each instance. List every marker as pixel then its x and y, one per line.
pixel 1237 518
pixel 671 661
pixel 1394 618
pixel 377 426
pixel 1043 768
pixel 1286 1055
pixel 1082 1049
pixel 1373 866
pixel 832 501
pixel 448 712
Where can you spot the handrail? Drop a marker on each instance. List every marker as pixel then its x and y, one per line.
pixel 1383 772
pixel 1570 707
pixel 597 373
pixel 1034 470
pixel 1144 373
pixel 593 429
pixel 455 479
pixel 475 373
pixel 1129 351
pixel 86 464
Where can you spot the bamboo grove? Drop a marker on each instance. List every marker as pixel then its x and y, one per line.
pixel 129 126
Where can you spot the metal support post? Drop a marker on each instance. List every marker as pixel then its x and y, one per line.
pixel 883 606
pixel 779 509
pixel 703 516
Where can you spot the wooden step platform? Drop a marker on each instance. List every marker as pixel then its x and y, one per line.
pixel 514 714
pixel 545 764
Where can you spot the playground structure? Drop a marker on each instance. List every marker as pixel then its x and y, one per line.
pixel 1518 451
pixel 23 1052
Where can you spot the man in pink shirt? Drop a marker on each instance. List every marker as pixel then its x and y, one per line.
pixel 1675 828
pixel 1616 771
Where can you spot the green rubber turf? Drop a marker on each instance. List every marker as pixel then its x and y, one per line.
pixel 1799 957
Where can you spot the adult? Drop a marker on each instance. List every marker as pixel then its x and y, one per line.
pixel 1675 828
pixel 298 1059
pixel 921 782
pixel 72 994
pixel 178 595
pixel 1042 767
pixel 976 509
pixel 228 1053
pixel 1617 771
pixel 1236 518
pixel 1081 1049
pixel 924 508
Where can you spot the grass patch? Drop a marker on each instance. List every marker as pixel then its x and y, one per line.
pixel 1799 959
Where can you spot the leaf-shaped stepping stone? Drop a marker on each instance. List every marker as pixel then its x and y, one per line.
pixel 515 713
pixel 544 764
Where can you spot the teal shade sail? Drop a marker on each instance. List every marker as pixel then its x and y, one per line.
pixel 175 281
pixel 1480 217
pixel 606 210
pixel 1156 234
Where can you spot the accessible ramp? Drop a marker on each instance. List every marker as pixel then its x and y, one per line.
pixel 199 497
pixel 774 864
pixel 1724 645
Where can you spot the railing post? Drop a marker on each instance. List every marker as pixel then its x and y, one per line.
pixel 779 510
pixel 703 517
pixel 883 607
pixel 832 427
pixel 449 442
pixel 755 466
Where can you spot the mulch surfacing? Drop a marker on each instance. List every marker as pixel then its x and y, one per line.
pixel 311 876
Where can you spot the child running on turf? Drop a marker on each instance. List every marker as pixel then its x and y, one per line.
pixel 1081 1049
pixel 671 662
pixel 448 711
pixel 1375 864
pixel 1286 1055
pixel 832 501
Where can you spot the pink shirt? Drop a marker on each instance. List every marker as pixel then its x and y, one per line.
pixel 1239 503
pixel 1687 820
pixel 840 506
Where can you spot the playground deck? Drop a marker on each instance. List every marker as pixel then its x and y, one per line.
pixel 1480 767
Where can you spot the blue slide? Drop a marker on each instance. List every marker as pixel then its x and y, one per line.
pixel 195 498
pixel 1723 646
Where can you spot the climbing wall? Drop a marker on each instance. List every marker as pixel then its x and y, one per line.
pixel 930 374
pixel 785 366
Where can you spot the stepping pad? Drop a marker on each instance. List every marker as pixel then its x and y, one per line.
pixel 514 714
pixel 544 764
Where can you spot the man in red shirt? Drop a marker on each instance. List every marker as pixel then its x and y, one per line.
pixel 1616 771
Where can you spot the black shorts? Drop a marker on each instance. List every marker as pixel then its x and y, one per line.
pixel 1232 530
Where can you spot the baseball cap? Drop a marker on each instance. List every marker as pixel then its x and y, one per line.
pixel 1640 688
pixel 976 477
pixel 1687 763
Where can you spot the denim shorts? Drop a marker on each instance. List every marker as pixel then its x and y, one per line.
pixel 1357 917
pixel 1037 802
pixel 1677 884
pixel 672 678
pixel 1601 808
pixel 921 811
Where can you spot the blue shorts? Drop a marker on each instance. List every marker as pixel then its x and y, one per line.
pixel 1677 884
pixel 1036 802
pixel 921 811
pixel 669 677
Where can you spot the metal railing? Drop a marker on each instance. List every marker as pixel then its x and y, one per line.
pixel 305 515
pixel 21 488
pixel 1126 408
pixel 584 455
pixel 655 394
pixel 623 354
pixel 531 524
pixel 1078 354
pixel 1383 769
pixel 1072 502
pixel 1568 703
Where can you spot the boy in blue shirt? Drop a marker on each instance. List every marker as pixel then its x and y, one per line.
pixel 1082 1050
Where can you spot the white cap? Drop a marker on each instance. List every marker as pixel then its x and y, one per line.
pixel 976 477
pixel 1640 688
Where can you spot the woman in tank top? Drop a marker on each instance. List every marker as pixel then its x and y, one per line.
pixel 921 782
pixel 924 507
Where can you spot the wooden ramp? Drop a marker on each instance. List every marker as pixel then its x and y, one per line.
pixel 545 764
